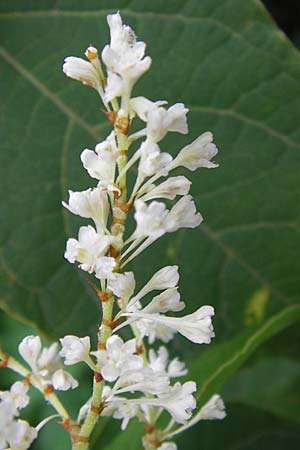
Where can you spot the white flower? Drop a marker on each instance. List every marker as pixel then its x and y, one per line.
pixel 118 358
pixel 159 362
pixel 197 327
pixel 152 160
pixel 150 219
pixel 213 409
pixel 168 446
pixel 169 300
pixel 176 368
pixel 84 71
pixel 168 189
pixel 125 411
pixel 179 401
pixel 114 86
pixel 160 120
pixel 154 329
pixel 88 248
pixel 17 395
pixel 153 219
pixel 101 163
pixel 91 204
pixel 7 413
pixel 183 215
pixel 104 267
pixel 30 348
pixel 44 362
pixel 48 362
pixel 75 349
pixel 21 435
pixel 144 380
pixel 165 278
pixel 63 381
pixel 124 55
pixel 122 285
pixel 142 106
pixel 197 154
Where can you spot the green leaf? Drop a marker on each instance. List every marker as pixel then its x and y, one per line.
pixel 270 385
pixel 239 76
pixel 244 428
pixel 240 80
pixel 219 362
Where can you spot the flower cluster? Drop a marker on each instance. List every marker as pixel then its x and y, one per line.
pixel 14 432
pixel 131 379
pixel 137 381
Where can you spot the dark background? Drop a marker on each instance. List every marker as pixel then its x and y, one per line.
pixel 286 14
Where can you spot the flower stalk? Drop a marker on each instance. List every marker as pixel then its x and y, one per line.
pixel 130 378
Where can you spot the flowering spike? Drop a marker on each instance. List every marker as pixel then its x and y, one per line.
pixel 130 379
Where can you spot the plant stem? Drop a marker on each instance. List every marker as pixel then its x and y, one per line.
pixel 81 441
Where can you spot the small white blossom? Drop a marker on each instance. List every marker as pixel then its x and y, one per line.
pixel 213 409
pixel 169 300
pixel 165 278
pixel 75 349
pixel 183 215
pixel 122 285
pixel 168 446
pixel 168 189
pixel 153 161
pixel 118 358
pixel 91 204
pixel 17 395
pixel 114 86
pixel 150 219
pixel 30 348
pixel 104 267
pixel 145 380
pixel 124 56
pixel 101 163
pixel 89 247
pixel 125 411
pixel 160 120
pixel 48 362
pixel 63 381
pixel 7 413
pixel 197 154
pixel 180 402
pixel 84 71
pixel 153 219
pixel 159 362
pixel 45 364
pixel 142 106
pixel 197 327
pixel 176 368
pixel 21 435
pixel 154 329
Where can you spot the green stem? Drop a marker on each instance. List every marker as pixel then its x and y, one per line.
pixel 82 439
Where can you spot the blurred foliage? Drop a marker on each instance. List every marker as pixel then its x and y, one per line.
pixel 239 76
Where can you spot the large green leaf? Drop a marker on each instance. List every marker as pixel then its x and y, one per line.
pixel 240 78
pixel 242 429
pixel 213 368
pixel 270 385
